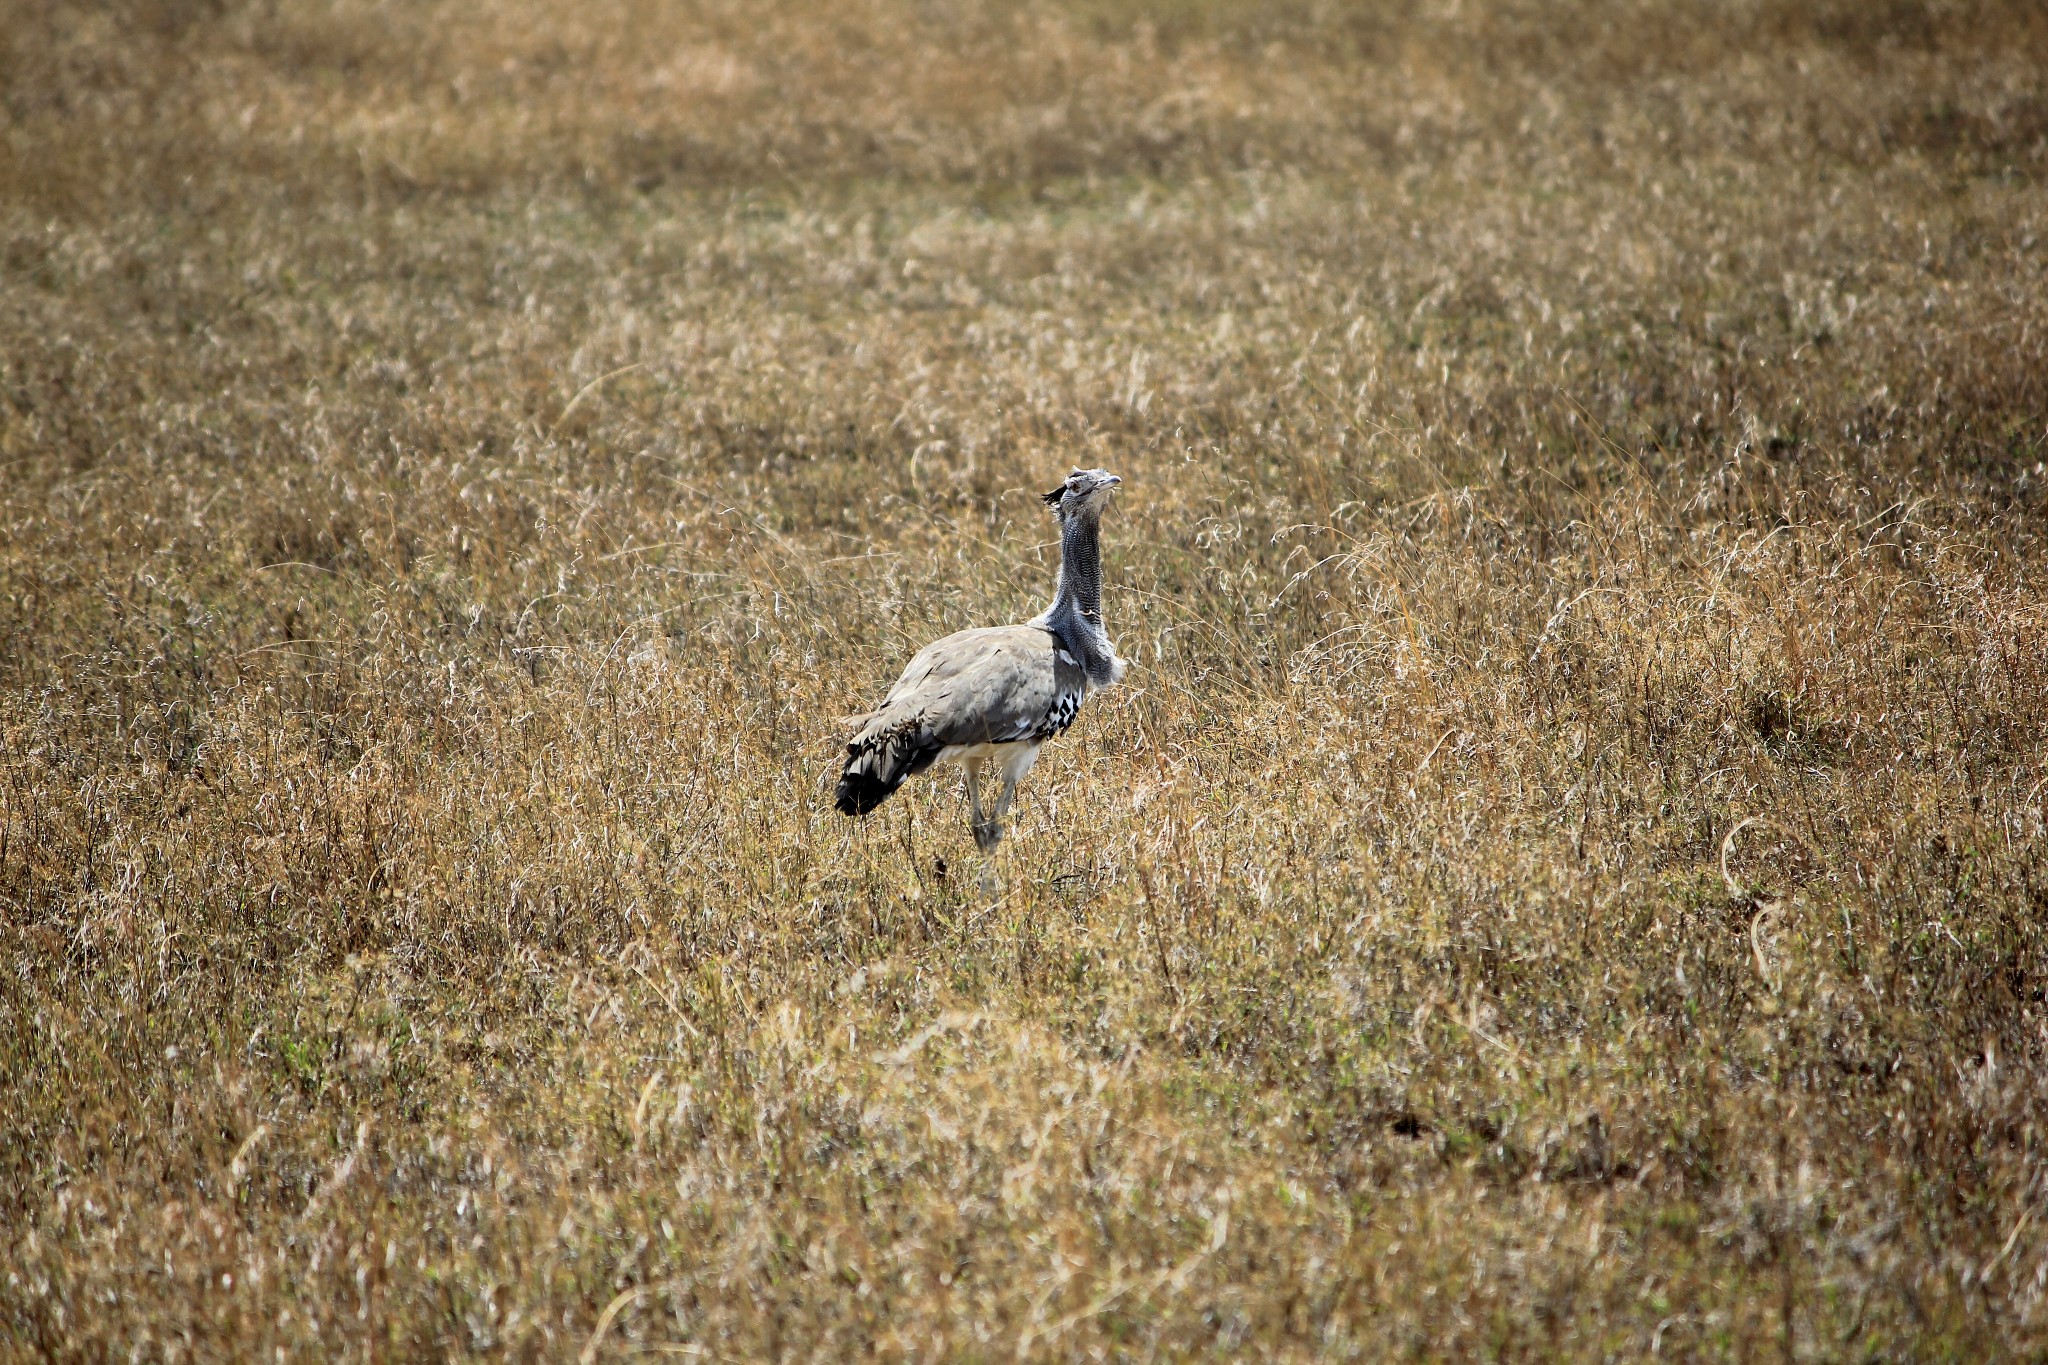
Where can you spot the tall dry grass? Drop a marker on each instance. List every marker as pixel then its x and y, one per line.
pixel 1565 877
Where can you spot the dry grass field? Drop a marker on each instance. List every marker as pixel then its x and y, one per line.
pixel 1565 877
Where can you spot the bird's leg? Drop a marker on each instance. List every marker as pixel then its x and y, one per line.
pixel 994 823
pixel 973 770
pixel 986 831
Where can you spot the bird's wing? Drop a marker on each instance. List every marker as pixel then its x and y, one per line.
pixel 994 686
pixel 981 686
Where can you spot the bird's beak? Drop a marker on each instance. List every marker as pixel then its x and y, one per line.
pixel 1112 481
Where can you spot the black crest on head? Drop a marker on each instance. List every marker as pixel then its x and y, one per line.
pixel 1052 499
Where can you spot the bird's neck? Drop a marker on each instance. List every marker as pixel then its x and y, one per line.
pixel 1076 611
pixel 1079 591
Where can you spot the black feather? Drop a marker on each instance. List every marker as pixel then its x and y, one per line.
pixel 875 769
pixel 861 792
pixel 1052 499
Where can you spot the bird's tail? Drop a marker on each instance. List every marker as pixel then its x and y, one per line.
pixel 880 758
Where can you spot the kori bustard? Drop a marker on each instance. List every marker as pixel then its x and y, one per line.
pixel 999 692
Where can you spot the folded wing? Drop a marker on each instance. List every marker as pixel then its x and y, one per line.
pixel 999 685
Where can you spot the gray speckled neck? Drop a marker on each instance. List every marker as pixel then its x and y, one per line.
pixel 1075 615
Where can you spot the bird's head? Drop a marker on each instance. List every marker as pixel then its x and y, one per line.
pixel 1085 493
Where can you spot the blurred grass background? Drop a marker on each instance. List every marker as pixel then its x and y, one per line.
pixel 1564 879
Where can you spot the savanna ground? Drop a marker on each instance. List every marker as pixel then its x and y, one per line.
pixel 1565 877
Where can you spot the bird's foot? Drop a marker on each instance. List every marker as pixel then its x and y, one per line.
pixel 988 835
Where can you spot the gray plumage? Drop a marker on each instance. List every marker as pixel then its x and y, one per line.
pixel 1000 692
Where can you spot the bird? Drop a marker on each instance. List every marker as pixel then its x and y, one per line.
pixel 997 693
